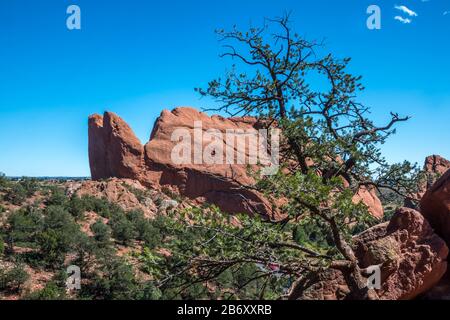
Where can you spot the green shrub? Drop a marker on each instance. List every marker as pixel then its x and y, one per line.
pixel 101 206
pixel 17 194
pixel 145 229
pixel 13 279
pixel 122 229
pixel 51 291
pixel 77 207
pixel 59 236
pixel 149 292
pixel 150 235
pixel 114 280
pixel 24 225
pixel 57 197
pixel 4 182
pixel 31 185
pixel 102 233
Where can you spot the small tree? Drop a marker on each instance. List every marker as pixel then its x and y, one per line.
pixel 59 236
pixel 102 233
pixel 115 280
pixel 4 182
pixel 23 226
pixel 14 278
pixel 330 151
pixel 31 185
pixel 145 230
pixel 123 230
pixel 17 194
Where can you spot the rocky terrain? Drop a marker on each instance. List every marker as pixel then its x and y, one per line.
pixel 114 151
pixel 142 183
pixel 411 248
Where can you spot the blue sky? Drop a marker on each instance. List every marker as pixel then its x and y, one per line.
pixel 138 57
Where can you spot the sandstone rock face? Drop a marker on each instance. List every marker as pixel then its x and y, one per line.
pixel 218 183
pixel 370 199
pixel 412 259
pixel 435 206
pixel 114 151
pixel 435 166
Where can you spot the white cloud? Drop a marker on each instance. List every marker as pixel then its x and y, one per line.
pixel 403 20
pixel 406 10
pixel 446 13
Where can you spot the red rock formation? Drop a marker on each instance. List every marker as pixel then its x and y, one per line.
pixel 435 206
pixel 411 255
pixel 370 199
pixel 114 151
pixel 436 164
pixel 121 192
pixel 434 167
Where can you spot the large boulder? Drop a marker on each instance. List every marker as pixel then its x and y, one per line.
pixel 114 151
pixel 412 259
pixel 435 206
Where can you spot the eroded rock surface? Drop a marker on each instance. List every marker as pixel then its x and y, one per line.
pixel 114 151
pixel 435 206
pixel 434 167
pixel 412 258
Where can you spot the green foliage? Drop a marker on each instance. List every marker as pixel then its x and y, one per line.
pixel 55 289
pixel 13 279
pixel 133 225
pixel 113 280
pixel 102 233
pixel 57 197
pixel 59 235
pixel 23 226
pixel 77 207
pixel 122 229
pixel 51 291
pixel 144 229
pixel 17 194
pixel 200 241
pixel 31 185
pixel 4 182
pixel 149 292
pixel 100 206
pixel 330 151
pixel 2 247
